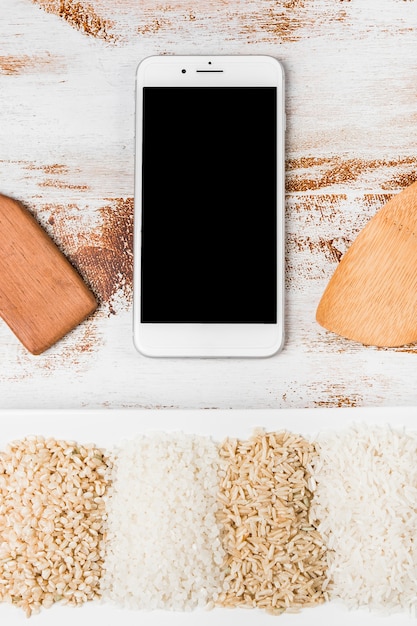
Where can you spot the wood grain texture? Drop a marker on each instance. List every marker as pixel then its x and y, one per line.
pixel 67 120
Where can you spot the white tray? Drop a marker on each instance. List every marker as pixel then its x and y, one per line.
pixel 106 428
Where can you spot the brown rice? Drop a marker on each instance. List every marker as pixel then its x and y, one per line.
pixel 51 522
pixel 275 559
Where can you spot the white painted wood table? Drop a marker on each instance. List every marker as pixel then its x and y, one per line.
pixel 67 72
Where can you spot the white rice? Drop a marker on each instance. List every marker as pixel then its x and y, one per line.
pixel 365 484
pixel 163 548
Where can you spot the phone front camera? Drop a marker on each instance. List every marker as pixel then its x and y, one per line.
pixel 183 71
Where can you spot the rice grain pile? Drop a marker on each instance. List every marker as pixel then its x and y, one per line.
pixel 52 512
pixel 163 548
pixel 275 556
pixel 365 482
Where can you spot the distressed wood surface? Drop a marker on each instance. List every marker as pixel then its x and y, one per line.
pixel 67 72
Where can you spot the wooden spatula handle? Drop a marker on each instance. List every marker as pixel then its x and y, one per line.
pixel 42 297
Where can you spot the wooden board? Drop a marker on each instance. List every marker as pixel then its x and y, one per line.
pixel 67 125
pixel 42 297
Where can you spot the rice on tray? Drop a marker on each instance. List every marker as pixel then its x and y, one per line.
pixel 163 541
pixel 365 505
pixel 52 512
pixel 275 556
pixel 178 521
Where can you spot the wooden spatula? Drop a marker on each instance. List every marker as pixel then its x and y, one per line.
pixel 372 295
pixel 42 297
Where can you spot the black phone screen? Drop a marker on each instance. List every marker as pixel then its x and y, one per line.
pixel 209 205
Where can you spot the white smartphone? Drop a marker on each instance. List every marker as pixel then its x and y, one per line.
pixel 209 206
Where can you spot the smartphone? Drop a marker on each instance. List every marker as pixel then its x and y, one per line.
pixel 209 206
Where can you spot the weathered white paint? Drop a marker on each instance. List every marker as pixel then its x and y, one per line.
pixel 66 142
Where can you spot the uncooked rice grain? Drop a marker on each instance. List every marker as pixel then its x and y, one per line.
pixel 52 510
pixel 275 558
pixel 365 503
pixel 163 548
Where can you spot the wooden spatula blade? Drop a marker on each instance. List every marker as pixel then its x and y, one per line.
pixel 372 296
pixel 42 296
